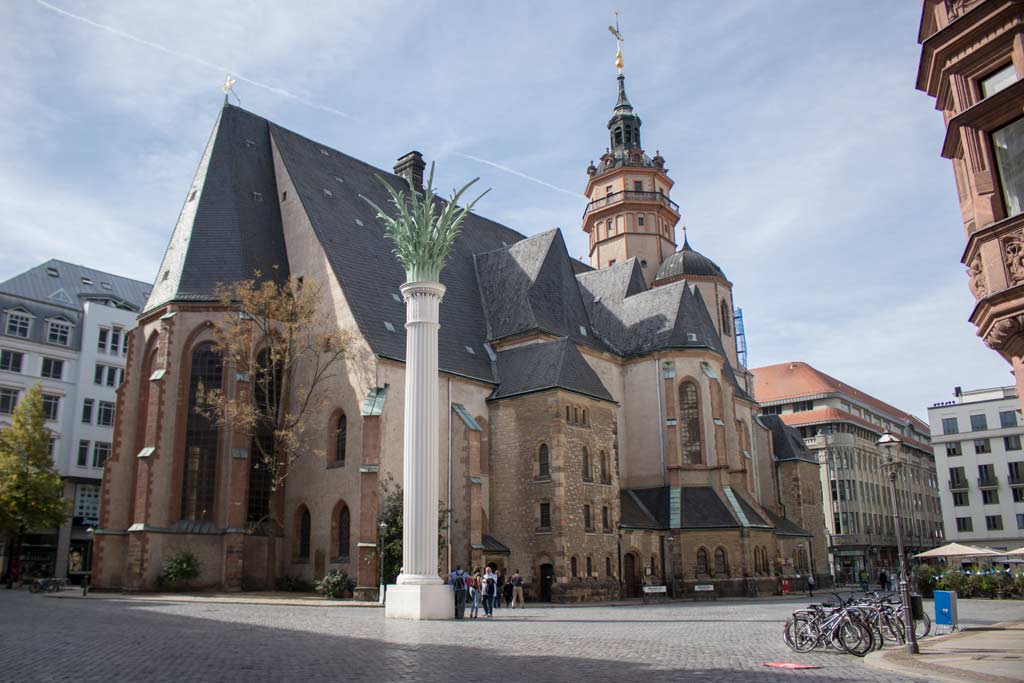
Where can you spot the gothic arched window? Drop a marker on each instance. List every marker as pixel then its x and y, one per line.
pixel 344 533
pixel 721 562
pixel 573 568
pixel 340 435
pixel 303 531
pixel 586 465
pixel 726 320
pixel 702 561
pixel 590 567
pixel 201 437
pixel 605 476
pixel 689 424
pixel 543 461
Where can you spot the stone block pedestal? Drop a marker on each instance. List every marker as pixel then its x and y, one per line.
pixel 415 601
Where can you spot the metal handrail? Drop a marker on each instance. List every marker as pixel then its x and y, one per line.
pixel 631 195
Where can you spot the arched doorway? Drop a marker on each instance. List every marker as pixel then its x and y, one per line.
pixel 631 575
pixel 547 577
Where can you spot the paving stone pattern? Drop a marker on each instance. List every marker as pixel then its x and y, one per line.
pixel 47 639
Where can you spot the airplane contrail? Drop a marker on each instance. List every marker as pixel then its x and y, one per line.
pixel 270 88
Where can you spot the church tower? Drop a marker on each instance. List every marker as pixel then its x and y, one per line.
pixel 630 213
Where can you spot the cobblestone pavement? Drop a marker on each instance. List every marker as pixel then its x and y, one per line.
pixel 45 639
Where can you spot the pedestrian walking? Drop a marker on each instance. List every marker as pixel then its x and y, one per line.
pixel 500 588
pixel 507 591
pixel 517 591
pixel 490 589
pixel 458 581
pixel 883 580
pixel 474 594
pixel 810 585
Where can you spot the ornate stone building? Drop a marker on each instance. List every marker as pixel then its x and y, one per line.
pixel 972 57
pixel 600 433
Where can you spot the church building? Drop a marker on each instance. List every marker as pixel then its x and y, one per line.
pixel 599 432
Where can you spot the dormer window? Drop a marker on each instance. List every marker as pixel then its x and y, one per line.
pixel 58 332
pixel 52 272
pixel 87 281
pixel 18 324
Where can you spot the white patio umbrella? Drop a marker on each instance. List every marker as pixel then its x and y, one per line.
pixel 957 550
pixel 1018 551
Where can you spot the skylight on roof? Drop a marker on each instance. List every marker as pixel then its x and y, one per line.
pixel 359 223
pixel 340 180
pixel 257 197
pixel 583 330
pixel 396 297
pixel 325 152
pixel 469 349
pixel 52 272
pixel 87 281
pixel 106 285
pixel 388 326
pixel 327 193
pixel 250 143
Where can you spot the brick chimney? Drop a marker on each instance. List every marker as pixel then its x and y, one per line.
pixel 411 168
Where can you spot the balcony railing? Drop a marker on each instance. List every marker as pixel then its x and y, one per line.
pixel 1016 479
pixel 988 483
pixel 630 196
pixel 958 485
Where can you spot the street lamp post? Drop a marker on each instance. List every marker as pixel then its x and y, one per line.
pixel 382 528
pixel 889 444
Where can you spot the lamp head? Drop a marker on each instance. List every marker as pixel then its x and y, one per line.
pixel 889 444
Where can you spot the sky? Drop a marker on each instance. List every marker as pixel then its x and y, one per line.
pixel 806 164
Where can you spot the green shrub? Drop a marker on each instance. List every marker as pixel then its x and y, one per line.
pixel 956 581
pixel 926 576
pixel 180 568
pixel 293 584
pixel 336 584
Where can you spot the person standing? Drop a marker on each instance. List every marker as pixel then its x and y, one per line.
pixel 810 585
pixel 490 589
pixel 474 594
pixel 883 581
pixel 500 587
pixel 458 581
pixel 517 591
pixel 507 592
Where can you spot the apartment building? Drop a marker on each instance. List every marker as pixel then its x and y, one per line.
pixel 841 425
pixel 977 440
pixel 65 327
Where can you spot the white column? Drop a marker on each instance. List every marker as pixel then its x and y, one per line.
pixel 420 593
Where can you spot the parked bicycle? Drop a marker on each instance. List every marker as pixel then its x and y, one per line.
pixel 48 585
pixel 853 625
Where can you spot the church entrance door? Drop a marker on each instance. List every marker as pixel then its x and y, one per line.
pixel 630 576
pixel 547 576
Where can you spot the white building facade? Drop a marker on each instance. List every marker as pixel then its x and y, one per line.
pixel 978 453
pixel 65 328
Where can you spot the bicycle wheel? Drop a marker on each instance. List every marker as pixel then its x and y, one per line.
pixel 923 626
pixel 801 634
pixel 893 628
pixel 855 637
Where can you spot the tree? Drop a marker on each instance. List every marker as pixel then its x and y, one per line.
pixel 391 507
pixel 285 349
pixel 30 487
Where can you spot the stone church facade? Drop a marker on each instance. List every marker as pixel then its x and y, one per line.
pixel 599 433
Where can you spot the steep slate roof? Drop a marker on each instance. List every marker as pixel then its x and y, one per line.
pixel 498 282
pixel 700 507
pixel 634 514
pixel 686 262
pixel 546 365
pixel 786 527
pixel 787 444
pixel 231 227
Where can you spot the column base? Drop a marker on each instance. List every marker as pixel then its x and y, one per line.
pixel 419 602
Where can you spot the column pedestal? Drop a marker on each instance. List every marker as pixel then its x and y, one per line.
pixel 420 593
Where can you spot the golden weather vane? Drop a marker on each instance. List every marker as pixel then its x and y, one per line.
pixel 614 30
pixel 228 88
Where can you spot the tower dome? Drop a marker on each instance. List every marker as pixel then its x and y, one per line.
pixel 687 263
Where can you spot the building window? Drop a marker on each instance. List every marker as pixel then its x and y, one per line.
pixel 543 462
pixel 1000 79
pixel 978 423
pixel 105 414
pixel 87 502
pixel 115 339
pixel 87 411
pixel 100 453
pixel 52 368
pixel 1018 494
pixel 721 564
pixel 545 515
pixel 11 360
pixel 803 406
pixel 1016 472
pixel 964 524
pixel 590 567
pixel 608 563
pixel 605 519
pixel 640 222
pixel 772 410
pixel 8 400
pixel 201 437
pixel 605 472
pixel 726 319
pixel 586 465
pixel 689 424
pixel 961 499
pixel 587 521
pixel 83 453
pixel 340 436
pixel 1008 143
pixel 304 531
pixel 574 571
pixel 101 342
pixel 994 522
pixel 58 332
pixel 953 449
pixel 702 562
pixel 990 497
pixel 1020 520
pixel 1012 442
pixel 51 406
pixel 982 446
pixel 18 324
pixel 1008 418
pixel 344 533
pixel 950 426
